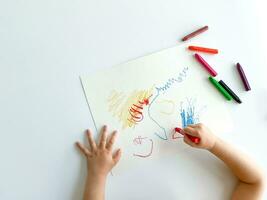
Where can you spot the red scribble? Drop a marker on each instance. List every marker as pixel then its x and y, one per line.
pixel 138 141
pixel 136 111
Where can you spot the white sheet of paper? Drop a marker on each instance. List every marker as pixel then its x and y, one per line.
pixel 146 98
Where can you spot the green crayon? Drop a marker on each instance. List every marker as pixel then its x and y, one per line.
pixel 220 88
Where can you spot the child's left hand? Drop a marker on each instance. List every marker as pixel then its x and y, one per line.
pixel 100 157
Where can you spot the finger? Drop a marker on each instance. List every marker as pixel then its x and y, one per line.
pixel 91 140
pixel 193 125
pixel 116 157
pixel 103 137
pixel 198 126
pixel 191 131
pixel 188 141
pixel 111 141
pixel 83 149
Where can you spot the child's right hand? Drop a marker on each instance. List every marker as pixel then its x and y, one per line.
pixel 207 139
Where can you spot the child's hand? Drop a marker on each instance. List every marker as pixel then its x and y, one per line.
pixel 100 159
pixel 207 139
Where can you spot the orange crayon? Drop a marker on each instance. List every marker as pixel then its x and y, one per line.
pixel 203 49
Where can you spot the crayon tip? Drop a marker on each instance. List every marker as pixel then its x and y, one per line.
pixel 177 129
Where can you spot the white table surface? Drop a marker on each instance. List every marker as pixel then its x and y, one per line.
pixel 46 45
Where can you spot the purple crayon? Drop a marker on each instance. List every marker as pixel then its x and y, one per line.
pixel 243 77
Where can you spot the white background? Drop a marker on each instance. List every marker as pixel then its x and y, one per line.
pixel 46 45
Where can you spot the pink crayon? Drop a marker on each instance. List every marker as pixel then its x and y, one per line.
pixel 211 71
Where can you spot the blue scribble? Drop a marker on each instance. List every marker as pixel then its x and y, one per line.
pixel 171 81
pixel 183 118
pixel 189 115
pixel 161 90
pixel 149 114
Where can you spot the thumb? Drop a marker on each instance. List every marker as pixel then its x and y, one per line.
pixel 117 155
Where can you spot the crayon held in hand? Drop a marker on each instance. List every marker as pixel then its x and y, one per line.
pixel 192 138
pixel 195 33
pixel 203 49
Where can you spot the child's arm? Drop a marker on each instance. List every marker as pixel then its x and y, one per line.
pixel 100 160
pixel 251 182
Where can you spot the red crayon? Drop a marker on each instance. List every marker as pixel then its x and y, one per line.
pixel 192 138
pixel 195 33
pixel 211 71
pixel 203 49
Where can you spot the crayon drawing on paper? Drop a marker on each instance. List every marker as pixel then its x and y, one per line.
pixel 146 98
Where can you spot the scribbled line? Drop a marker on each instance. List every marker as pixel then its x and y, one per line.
pixel 171 81
pixel 161 90
pixel 176 135
pixel 129 109
pixel 161 127
pixel 138 141
pixel 136 110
